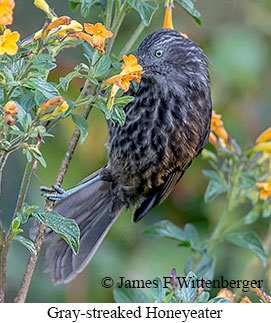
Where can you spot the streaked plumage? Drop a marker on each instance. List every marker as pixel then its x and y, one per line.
pixel 167 126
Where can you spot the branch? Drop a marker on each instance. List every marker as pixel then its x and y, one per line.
pixel 23 290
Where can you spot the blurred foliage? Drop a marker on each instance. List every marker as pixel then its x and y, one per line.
pixel 236 37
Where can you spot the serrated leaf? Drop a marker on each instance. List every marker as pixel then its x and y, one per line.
pixel 189 7
pixel 29 244
pixel 146 9
pixel 102 66
pixel 129 295
pixel 67 228
pixel 250 241
pixel 82 125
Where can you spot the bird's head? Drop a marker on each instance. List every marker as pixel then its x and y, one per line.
pixel 170 59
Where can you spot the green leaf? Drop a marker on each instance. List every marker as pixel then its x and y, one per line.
pixel 86 6
pixel 129 295
pixel 252 216
pixel 250 241
pixel 65 81
pixel 146 9
pixel 82 125
pixel 27 243
pixel 102 66
pixel 191 234
pixel 267 211
pixel 67 228
pixel 203 298
pixel 100 104
pixel 157 290
pixel 189 288
pixel 214 188
pixel 39 158
pixel 119 115
pixel 124 100
pixel 248 181
pixel 188 6
pixel 219 300
pixel 74 4
pixel 47 89
pixel 15 226
pixel 206 269
pixel 165 229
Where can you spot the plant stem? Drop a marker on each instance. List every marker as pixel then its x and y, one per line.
pixel 108 16
pixel 132 39
pixel 116 25
pixel 26 280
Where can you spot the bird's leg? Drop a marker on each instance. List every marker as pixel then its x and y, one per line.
pixel 57 193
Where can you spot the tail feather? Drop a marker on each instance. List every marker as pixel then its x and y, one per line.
pixel 95 209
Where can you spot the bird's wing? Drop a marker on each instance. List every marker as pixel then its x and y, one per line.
pixel 158 194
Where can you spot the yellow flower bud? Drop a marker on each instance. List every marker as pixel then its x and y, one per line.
pixel 43 5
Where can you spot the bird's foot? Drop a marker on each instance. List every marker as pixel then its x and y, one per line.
pixel 54 193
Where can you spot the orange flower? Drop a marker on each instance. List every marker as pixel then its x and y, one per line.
pixel 98 35
pixel 245 300
pixel 226 293
pixel 263 142
pixel 217 129
pixel 65 23
pixel 64 20
pixel 80 35
pixel 168 22
pixel 6 12
pixel 57 100
pixel 168 19
pixel 11 107
pixel 131 70
pixel 9 120
pixel 8 42
pixel 265 191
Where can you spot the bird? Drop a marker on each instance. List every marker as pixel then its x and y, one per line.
pixel 167 126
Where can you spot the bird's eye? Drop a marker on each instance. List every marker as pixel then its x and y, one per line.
pixel 159 53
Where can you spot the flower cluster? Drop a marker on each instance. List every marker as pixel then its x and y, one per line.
pixel 64 26
pixel 61 106
pixel 263 145
pixel 8 39
pixel 6 12
pixel 10 109
pixel 218 131
pixel 131 70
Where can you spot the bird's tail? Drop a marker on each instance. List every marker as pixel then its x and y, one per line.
pixel 95 209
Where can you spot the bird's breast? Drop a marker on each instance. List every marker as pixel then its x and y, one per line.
pixel 159 135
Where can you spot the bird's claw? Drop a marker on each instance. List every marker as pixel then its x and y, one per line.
pixel 54 193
